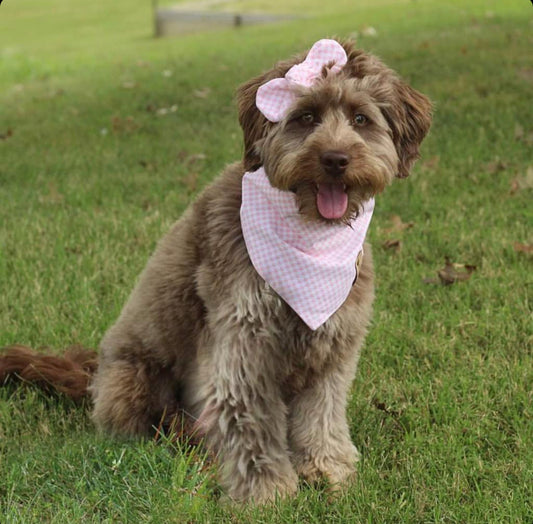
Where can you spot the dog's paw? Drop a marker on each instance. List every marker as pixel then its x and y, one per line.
pixel 264 487
pixel 337 468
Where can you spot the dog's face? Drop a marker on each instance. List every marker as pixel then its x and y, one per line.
pixel 342 141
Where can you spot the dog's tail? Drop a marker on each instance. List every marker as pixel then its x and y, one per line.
pixel 69 374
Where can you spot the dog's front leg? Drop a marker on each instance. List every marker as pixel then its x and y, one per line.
pixel 319 436
pixel 246 416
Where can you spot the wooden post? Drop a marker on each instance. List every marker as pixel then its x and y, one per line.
pixel 157 29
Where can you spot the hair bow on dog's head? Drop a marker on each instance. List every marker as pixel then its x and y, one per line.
pixel 274 98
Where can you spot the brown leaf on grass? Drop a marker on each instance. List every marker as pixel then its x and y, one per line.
pixel 54 93
pixel 190 160
pixel 123 125
pixel 452 273
pixel 194 159
pixel 202 93
pixel 381 406
pixel 521 135
pixel 523 248
pixel 7 134
pixel 53 196
pixel 149 166
pixel 526 73
pixel 431 163
pixel 162 111
pixel 393 244
pixel 398 225
pixel 519 183
pixel 369 31
pixel 496 166
pixel 483 91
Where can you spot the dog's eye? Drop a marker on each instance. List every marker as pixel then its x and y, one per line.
pixel 307 118
pixel 360 120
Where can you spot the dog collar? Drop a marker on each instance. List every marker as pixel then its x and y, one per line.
pixel 311 265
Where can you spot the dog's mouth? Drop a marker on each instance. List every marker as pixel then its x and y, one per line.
pixel 331 200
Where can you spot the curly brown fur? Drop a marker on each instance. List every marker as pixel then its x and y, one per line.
pixel 203 332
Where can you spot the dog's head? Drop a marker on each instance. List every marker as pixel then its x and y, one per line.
pixel 342 139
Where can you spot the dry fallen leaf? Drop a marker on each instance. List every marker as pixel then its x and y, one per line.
pixel 202 93
pixel 452 272
pixel 393 244
pixel 523 248
pixel 482 91
pixel 123 125
pixel 6 135
pixel 526 73
pixel 194 159
pixel 398 225
pixel 53 196
pixel 431 163
pixel 189 160
pixel 521 135
pixel 53 94
pixel 519 183
pixel 496 166
pixel 369 31
pixel 518 132
pixel 383 407
pixel 149 166
pixel 162 111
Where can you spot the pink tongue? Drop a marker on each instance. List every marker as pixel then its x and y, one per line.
pixel 331 200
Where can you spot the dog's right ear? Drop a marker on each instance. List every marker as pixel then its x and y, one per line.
pixel 254 125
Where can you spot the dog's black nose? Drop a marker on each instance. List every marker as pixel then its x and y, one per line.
pixel 335 162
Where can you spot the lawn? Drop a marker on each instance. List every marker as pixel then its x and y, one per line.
pixel 107 134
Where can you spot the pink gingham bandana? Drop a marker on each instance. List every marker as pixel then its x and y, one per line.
pixel 311 265
pixel 275 97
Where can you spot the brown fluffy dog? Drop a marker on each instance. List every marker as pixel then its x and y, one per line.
pixel 201 330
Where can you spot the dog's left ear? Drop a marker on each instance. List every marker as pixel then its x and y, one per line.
pixel 409 117
pixel 407 111
pixel 254 125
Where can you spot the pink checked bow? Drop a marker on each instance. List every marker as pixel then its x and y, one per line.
pixel 276 96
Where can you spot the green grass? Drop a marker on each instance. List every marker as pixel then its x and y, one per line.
pixel 92 176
